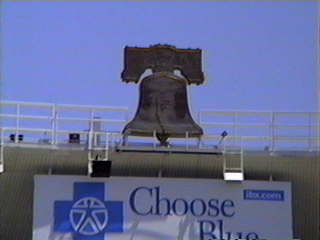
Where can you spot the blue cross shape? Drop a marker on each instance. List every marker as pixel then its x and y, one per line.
pixel 88 216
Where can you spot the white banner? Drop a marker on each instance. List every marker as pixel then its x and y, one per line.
pixel 83 208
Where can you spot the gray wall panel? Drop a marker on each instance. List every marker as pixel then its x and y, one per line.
pixel 21 164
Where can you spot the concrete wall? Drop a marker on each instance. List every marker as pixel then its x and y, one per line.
pixel 21 164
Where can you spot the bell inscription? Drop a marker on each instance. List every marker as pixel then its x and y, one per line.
pixel 163 105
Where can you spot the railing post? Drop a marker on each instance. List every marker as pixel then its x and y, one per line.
pixel 111 141
pixel 56 124
pixel 53 124
pixel 16 139
pixel 93 137
pixel 90 140
pixel 91 119
pixel 272 134
pixel 107 147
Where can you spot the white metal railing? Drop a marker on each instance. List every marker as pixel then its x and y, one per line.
pixel 53 119
pixel 256 130
pixel 278 130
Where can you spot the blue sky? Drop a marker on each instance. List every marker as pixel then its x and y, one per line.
pixel 257 55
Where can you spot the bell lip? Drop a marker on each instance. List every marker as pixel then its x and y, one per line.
pixel 165 74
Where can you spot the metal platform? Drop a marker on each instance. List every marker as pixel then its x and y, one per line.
pixel 171 149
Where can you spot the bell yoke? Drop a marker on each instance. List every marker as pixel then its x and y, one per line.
pixel 163 108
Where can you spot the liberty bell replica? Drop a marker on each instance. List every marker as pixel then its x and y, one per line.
pixel 163 110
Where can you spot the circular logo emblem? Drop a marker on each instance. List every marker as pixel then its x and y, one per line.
pixel 88 216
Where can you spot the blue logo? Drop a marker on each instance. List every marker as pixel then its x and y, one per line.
pixel 88 215
pixel 264 195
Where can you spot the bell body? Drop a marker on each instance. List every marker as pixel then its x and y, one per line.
pixel 163 109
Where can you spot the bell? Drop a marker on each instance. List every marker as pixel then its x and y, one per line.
pixel 163 109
